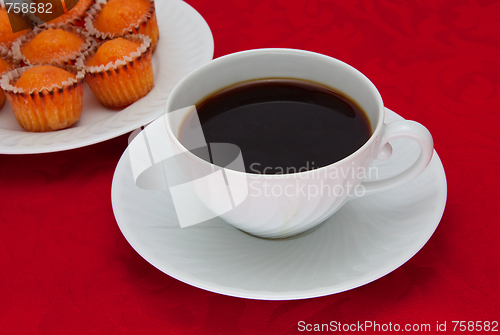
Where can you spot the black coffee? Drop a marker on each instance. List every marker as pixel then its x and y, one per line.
pixel 283 125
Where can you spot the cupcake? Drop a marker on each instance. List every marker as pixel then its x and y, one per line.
pixel 120 71
pixel 108 19
pixel 45 98
pixel 57 45
pixel 5 66
pixel 74 16
pixel 7 36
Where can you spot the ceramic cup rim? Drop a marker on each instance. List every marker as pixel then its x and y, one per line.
pixel 283 51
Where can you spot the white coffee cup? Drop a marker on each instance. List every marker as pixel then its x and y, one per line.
pixel 280 206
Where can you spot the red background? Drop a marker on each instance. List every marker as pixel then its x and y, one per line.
pixel 66 268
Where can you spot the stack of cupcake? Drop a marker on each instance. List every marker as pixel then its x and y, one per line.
pixel 106 43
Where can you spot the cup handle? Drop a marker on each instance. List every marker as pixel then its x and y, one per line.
pixel 397 129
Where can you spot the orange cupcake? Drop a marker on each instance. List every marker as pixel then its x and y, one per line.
pixel 72 17
pixel 45 98
pixel 108 19
pixel 120 71
pixel 5 66
pixel 7 36
pixel 56 45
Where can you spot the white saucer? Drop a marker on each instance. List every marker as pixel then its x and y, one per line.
pixel 365 240
pixel 185 43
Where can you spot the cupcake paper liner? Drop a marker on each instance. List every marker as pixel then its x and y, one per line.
pixel 147 24
pixel 47 109
pixel 123 82
pixel 18 45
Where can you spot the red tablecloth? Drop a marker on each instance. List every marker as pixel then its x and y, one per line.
pixel 66 268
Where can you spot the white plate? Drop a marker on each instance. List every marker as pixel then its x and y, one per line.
pixel 365 240
pixel 185 43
